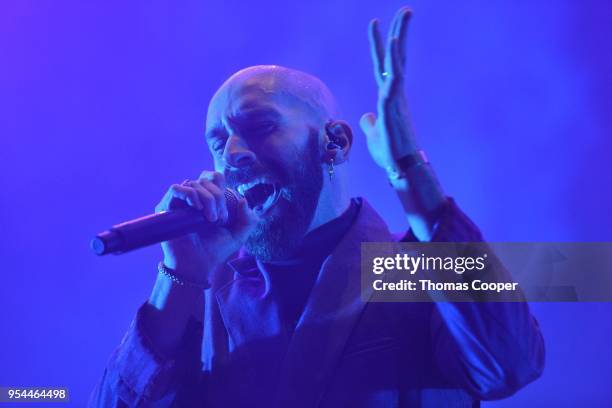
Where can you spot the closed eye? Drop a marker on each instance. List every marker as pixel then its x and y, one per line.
pixel 218 145
pixel 260 128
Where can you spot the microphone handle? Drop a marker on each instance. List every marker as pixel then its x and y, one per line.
pixel 154 228
pixel 147 230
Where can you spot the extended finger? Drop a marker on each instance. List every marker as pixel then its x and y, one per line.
pixel 394 28
pixel 397 61
pixel 399 21
pixel 402 28
pixel 376 49
pixel 389 64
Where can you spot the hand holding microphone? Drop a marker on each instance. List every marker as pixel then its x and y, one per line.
pixel 213 244
pixel 200 224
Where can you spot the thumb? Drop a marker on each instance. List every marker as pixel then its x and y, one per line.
pixel 367 123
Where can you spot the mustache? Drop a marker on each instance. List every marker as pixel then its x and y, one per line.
pixel 235 177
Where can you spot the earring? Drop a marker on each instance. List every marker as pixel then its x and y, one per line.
pixel 330 168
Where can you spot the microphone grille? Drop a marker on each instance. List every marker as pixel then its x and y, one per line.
pixel 231 198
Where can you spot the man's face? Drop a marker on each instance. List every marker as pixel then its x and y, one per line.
pixel 266 143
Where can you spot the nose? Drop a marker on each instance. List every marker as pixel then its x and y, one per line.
pixel 237 153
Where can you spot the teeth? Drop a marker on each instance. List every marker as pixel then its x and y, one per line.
pixel 242 188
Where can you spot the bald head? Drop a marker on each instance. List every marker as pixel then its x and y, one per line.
pixel 280 84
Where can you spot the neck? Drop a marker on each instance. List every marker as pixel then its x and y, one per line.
pixel 333 202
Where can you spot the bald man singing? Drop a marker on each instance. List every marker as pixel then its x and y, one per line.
pixel 265 310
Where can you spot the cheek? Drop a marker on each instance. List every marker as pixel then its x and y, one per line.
pixel 290 144
pixel 280 159
pixel 276 148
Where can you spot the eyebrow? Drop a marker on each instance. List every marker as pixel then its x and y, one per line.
pixel 245 114
pixel 214 133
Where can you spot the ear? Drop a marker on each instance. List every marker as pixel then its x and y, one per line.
pixel 338 141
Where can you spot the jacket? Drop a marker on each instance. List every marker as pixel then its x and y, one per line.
pixel 344 352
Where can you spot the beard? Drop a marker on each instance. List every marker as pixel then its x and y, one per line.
pixel 281 230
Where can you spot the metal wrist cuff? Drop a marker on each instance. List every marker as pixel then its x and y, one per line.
pixel 169 273
pixel 398 171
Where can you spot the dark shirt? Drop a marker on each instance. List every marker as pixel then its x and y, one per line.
pixel 292 280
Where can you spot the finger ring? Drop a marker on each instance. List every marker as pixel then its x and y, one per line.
pixel 385 74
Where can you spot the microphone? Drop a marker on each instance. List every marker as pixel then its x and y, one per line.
pixel 155 228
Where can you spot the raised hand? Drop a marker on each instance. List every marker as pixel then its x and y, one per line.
pixel 390 136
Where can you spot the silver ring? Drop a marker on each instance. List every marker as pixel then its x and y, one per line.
pixel 385 74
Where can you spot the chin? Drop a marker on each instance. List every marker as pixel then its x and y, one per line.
pixel 278 234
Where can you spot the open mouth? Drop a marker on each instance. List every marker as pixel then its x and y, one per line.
pixel 260 194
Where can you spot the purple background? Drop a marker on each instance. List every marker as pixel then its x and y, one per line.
pixel 102 107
